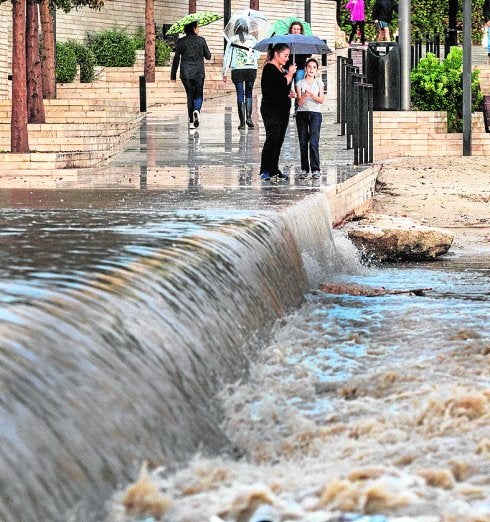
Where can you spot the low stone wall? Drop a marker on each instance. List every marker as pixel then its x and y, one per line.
pixel 353 196
pixel 484 78
pixel 423 133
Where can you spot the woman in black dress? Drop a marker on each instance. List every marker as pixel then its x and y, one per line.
pixel 275 108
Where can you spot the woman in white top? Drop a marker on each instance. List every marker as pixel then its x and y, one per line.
pixel 243 62
pixel 309 92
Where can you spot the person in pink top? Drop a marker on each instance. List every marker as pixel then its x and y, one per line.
pixel 357 18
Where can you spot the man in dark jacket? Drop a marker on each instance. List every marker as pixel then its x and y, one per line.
pixel 190 52
pixel 383 15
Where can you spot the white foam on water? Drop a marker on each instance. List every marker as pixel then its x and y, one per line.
pixel 358 404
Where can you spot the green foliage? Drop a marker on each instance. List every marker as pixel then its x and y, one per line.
pixel 85 59
pixel 66 63
pixel 438 86
pixel 162 48
pixel 68 5
pixel 112 48
pixel 162 53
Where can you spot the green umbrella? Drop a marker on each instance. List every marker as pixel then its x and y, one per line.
pixel 282 26
pixel 202 18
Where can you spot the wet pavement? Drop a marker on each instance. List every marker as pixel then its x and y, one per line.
pixel 165 155
pixel 217 154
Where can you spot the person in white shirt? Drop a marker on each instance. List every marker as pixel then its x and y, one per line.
pixel 310 96
pixel 241 58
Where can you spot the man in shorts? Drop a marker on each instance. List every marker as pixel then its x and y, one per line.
pixel 383 15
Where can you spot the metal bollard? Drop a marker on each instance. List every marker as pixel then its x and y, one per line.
pixel 324 57
pixel 142 94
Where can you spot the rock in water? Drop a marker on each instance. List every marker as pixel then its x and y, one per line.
pixel 393 239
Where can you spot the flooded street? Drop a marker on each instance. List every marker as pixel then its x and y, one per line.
pixel 362 405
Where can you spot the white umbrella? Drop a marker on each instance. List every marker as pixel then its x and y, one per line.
pixel 253 21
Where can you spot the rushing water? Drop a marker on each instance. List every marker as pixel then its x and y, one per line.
pixel 120 327
pixel 363 405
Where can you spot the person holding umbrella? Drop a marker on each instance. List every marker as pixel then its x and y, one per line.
pixel 297 27
pixel 190 52
pixel 243 62
pixel 275 108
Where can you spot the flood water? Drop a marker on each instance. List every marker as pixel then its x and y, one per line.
pixel 375 406
pixel 148 332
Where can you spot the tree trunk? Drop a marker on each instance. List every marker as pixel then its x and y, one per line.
pixel 19 139
pixel 35 105
pixel 150 41
pixel 192 6
pixel 254 4
pixel 48 62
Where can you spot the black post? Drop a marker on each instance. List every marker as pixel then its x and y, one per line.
pixel 350 72
pixel 308 11
pixel 452 18
pixel 226 16
pixel 342 62
pixel 142 94
pixel 437 45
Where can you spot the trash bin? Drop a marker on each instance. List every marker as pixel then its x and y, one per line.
pixel 383 72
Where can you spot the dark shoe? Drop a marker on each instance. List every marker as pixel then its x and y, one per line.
pixel 241 114
pixel 249 112
pixel 195 116
pixel 265 176
pixel 281 175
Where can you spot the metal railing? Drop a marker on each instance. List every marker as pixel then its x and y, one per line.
pixel 342 62
pixel 355 110
pixel 423 45
pixel 358 57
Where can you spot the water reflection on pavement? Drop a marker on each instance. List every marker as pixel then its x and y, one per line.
pixel 164 154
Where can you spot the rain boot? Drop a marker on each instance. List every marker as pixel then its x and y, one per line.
pixel 249 112
pixel 241 114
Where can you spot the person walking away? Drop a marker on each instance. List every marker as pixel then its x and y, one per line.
pixel 383 15
pixel 296 27
pixel 310 96
pixel 190 52
pixel 357 19
pixel 242 59
pixel 275 107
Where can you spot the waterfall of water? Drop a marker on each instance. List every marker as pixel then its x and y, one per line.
pixel 105 366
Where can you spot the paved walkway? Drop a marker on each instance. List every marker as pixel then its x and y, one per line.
pixel 166 154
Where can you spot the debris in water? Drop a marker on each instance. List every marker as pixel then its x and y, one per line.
pixel 144 498
pixel 368 291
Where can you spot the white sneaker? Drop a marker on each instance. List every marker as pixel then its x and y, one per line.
pixel 195 115
pixel 191 125
pixel 303 175
pixel 316 174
